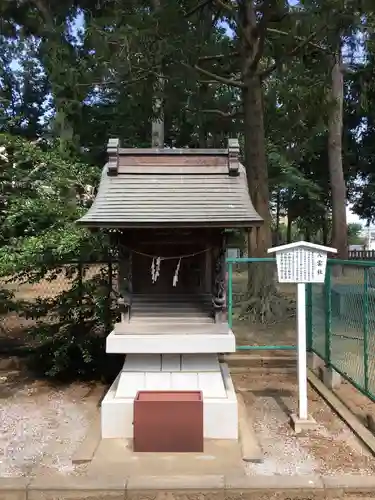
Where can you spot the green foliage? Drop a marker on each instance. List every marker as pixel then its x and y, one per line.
pixel 43 195
pixel 70 329
pixel 355 234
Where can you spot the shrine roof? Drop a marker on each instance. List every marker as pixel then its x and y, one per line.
pixel 172 187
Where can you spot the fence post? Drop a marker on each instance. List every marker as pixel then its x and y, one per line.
pixel 230 294
pixel 365 327
pixel 309 318
pixel 328 315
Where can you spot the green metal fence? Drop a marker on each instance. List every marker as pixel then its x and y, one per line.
pixel 341 321
pixel 340 317
pixel 237 296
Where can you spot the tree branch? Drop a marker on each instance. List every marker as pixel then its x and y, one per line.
pixel 209 82
pixel 225 6
pixel 261 40
pixel 221 79
pixel 234 114
pixel 43 9
pixel 199 6
pixel 303 43
pixel 217 56
pixel 124 83
pixel 300 38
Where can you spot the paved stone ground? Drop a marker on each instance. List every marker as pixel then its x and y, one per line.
pixel 358 404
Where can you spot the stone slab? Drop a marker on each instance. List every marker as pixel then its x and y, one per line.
pixel 370 420
pixel 176 487
pixel 219 457
pixel 186 482
pixel 101 487
pixel 349 485
pixel 86 450
pixel 274 487
pixel 13 488
pixel 105 486
pixel 343 412
pixel 250 447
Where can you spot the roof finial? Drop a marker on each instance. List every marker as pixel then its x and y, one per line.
pixel 233 154
pixel 113 154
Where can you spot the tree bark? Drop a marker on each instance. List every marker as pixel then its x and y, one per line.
pixel 289 219
pixel 255 161
pixel 278 236
pixel 336 173
pixel 325 230
pixel 157 126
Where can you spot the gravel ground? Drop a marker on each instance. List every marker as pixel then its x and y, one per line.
pixel 329 449
pixel 42 425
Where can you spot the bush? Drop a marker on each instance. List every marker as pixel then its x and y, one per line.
pixel 70 329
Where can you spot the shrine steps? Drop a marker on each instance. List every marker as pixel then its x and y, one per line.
pixel 178 309
pixel 179 323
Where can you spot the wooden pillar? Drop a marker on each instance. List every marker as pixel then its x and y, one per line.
pixel 125 280
pixel 208 272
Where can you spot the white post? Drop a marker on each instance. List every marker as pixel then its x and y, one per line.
pixel 302 359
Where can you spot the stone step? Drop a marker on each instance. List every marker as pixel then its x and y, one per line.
pixel 167 319
pixel 135 327
pixel 159 298
pixel 169 313
pixel 170 307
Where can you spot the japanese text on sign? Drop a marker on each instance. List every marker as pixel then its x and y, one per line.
pixel 301 265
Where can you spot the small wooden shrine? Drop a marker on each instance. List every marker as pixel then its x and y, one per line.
pixel 172 209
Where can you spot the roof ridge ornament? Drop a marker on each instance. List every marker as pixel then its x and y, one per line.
pixel 113 148
pixel 233 157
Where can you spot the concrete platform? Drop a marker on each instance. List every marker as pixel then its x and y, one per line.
pixel 219 457
pixel 178 341
pixel 220 408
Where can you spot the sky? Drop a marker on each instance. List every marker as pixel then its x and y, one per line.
pixel 353 218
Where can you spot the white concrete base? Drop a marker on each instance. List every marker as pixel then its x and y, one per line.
pixel 331 378
pixel 314 362
pixel 169 344
pixel 220 413
pixel 302 425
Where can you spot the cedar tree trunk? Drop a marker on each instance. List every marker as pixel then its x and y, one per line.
pixel 336 173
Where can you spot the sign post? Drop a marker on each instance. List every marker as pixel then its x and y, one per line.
pixel 301 263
